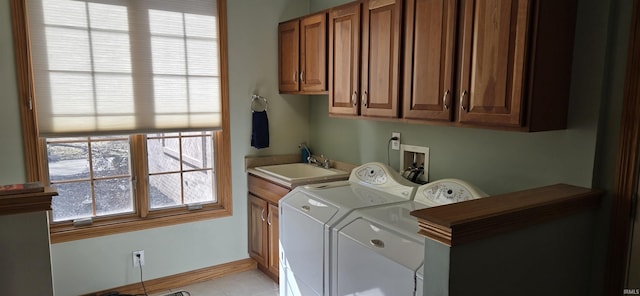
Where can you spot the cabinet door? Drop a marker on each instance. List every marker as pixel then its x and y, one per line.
pixel 274 239
pixel 430 30
pixel 344 59
pixel 258 229
pixel 492 60
pixel 380 58
pixel 288 50
pixel 313 53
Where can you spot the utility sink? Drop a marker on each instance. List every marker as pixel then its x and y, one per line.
pixel 302 173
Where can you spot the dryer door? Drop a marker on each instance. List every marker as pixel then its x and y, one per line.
pixel 375 261
pixel 302 244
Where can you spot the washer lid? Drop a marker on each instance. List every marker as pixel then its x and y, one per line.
pixel 447 191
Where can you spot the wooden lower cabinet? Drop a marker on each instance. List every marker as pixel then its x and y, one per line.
pixel 273 239
pixel 263 224
pixel 257 229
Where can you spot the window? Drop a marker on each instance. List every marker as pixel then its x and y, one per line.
pixel 125 111
pixel 92 175
pixel 180 169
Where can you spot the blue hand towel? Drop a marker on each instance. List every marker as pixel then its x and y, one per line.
pixel 260 130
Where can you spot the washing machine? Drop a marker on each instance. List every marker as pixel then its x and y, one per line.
pixel 308 213
pixel 377 251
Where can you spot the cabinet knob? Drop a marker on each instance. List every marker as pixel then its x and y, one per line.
pixel 295 76
pixel 354 98
pixel 444 100
pixel 462 96
pixel 302 76
pixel 262 215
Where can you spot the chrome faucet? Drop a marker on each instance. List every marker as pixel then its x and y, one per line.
pixel 325 163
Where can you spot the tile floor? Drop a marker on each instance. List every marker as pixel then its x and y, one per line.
pixel 248 283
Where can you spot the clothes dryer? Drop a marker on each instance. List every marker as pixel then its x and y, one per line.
pixel 308 213
pixel 377 251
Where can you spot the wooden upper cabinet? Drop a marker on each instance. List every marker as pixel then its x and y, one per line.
pixel 344 59
pixel 302 55
pixel 502 64
pixel 313 53
pixel 381 33
pixel 492 58
pixel 288 56
pixel 515 63
pixel 430 34
pixel 512 60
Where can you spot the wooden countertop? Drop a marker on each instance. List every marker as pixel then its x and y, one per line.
pixel 27 202
pixel 464 222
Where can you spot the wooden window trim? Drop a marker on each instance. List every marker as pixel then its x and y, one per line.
pixel 22 48
pixel 35 155
pixel 627 167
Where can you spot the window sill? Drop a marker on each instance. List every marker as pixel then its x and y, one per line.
pixel 67 232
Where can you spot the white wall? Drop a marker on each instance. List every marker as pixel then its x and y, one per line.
pixel 25 255
pixel 11 156
pixel 102 263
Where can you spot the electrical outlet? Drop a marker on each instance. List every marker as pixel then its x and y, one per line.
pixel 395 144
pixel 138 258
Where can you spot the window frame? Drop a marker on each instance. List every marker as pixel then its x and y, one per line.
pixel 92 177
pixel 36 158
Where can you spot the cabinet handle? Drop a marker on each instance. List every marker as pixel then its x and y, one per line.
pixel 302 76
pixel 444 100
pixel 462 96
pixel 295 76
pixel 364 99
pixel 354 98
pixel 262 215
pixel 269 218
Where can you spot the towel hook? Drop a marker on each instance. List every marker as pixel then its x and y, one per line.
pixel 258 103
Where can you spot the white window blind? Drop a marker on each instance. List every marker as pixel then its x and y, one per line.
pixel 124 66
